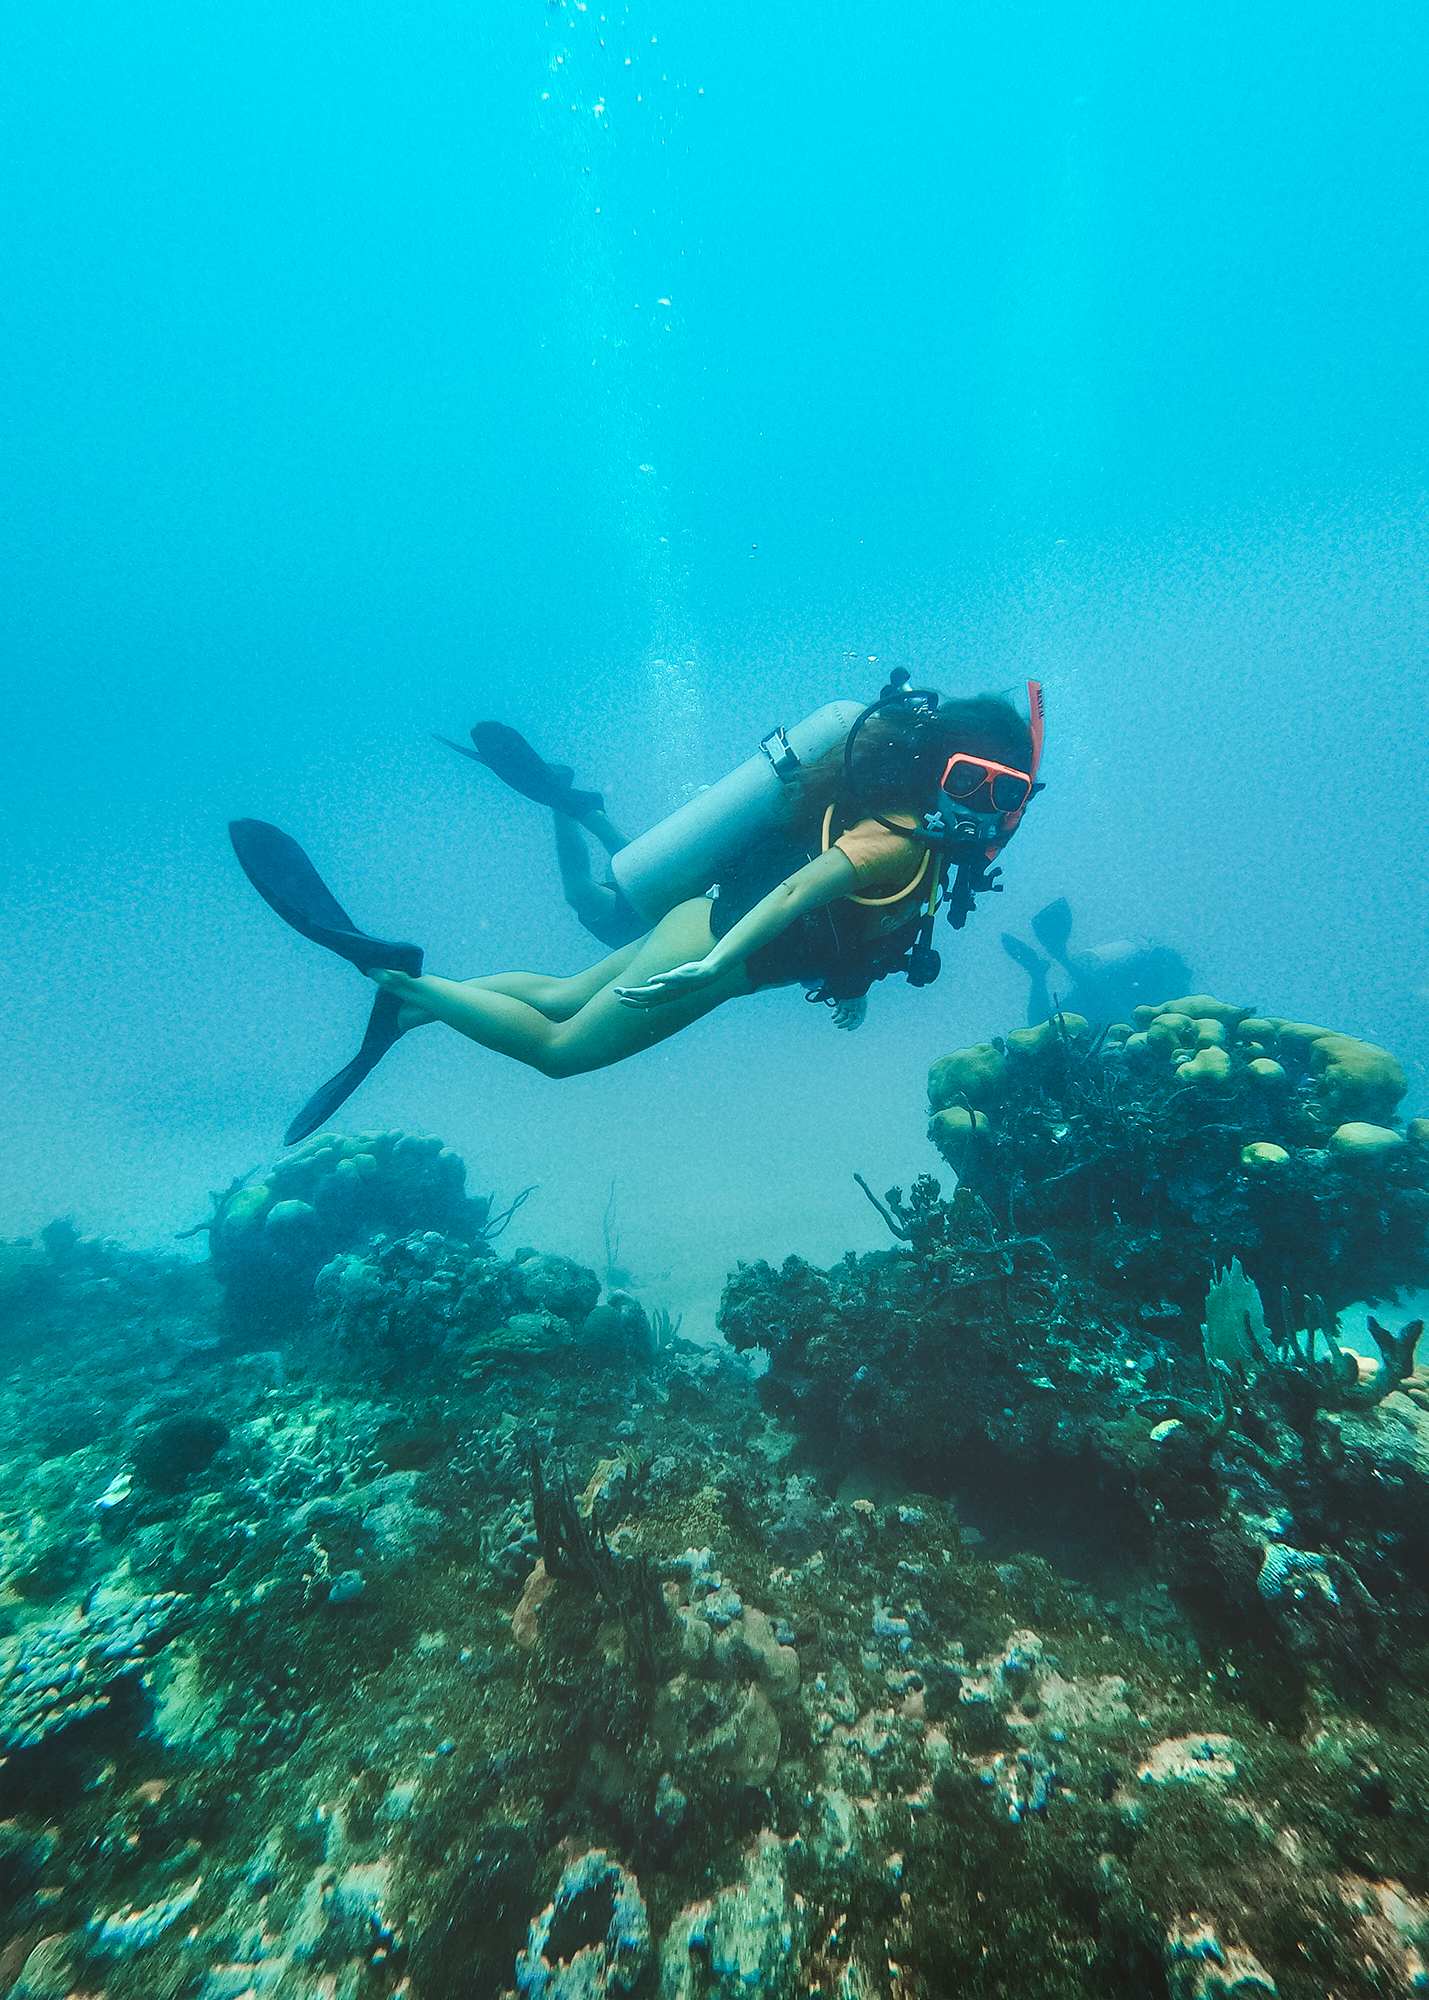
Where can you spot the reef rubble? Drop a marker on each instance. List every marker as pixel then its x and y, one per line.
pixel 1038 1606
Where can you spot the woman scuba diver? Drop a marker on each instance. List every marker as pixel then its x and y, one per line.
pixel 838 888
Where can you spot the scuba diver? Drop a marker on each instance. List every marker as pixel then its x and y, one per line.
pixel 602 908
pixel 834 846
pixel 1107 983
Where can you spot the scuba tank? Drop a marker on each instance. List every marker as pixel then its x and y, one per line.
pixel 683 855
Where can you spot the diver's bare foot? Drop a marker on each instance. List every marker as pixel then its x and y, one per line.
pixel 411 1014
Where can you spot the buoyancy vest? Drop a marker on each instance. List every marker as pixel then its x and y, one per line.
pixel 837 951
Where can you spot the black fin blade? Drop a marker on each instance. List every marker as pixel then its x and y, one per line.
pixel 1023 955
pixel 1052 928
pixel 293 889
pixel 382 1032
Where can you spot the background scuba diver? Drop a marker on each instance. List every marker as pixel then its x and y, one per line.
pixel 841 893
pixel 1108 982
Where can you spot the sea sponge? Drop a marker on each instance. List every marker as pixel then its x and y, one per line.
pixel 952 1131
pixel 1357 1141
pixel 979 1074
pixel 1261 1156
pixel 1356 1077
pixel 1032 1041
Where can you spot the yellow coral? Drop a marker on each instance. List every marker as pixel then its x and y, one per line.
pixel 1266 1071
pixel 1196 1006
pixel 1357 1076
pixel 953 1131
pixel 1357 1141
pixel 1031 1041
pixel 1210 1066
pixel 979 1074
pixel 1171 1031
pixel 1262 1156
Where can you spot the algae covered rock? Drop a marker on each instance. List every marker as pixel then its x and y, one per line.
pixel 573 1951
pixel 746 1939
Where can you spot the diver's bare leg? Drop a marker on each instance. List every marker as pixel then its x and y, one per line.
pixel 603 1031
pixel 556 998
pixel 594 902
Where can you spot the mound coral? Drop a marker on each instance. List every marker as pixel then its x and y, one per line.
pixel 269 1238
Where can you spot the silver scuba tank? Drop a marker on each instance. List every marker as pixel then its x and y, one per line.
pixel 684 854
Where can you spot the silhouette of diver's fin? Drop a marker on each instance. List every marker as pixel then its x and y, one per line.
pixel 1023 955
pixel 289 884
pixel 1052 928
pixel 507 753
pixel 382 1032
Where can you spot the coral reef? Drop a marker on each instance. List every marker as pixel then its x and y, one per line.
pixel 58 1674
pixel 1144 1155
pixel 269 1238
pixel 1038 1606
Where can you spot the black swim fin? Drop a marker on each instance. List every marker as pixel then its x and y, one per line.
pixel 382 1032
pixel 1052 928
pixel 507 753
pixel 289 884
pixel 1023 955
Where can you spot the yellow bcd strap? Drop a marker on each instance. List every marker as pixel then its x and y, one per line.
pixel 879 902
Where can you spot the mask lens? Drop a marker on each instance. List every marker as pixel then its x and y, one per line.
pixel 964 778
pixel 1008 793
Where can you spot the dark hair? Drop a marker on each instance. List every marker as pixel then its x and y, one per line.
pixel 899 757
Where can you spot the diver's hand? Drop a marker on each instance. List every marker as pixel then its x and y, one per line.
pixel 408 990
pixel 671 985
pixel 848 1014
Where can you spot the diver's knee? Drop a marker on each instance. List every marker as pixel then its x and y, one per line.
pixel 559 1062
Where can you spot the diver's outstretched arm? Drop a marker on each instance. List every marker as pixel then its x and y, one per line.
pixel 823 880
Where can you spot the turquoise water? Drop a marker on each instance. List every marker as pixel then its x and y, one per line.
pixel 643 379
pixel 384 1611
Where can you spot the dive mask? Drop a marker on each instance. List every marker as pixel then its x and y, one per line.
pixel 981 801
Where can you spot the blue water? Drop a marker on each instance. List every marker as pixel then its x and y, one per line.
pixel 644 379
